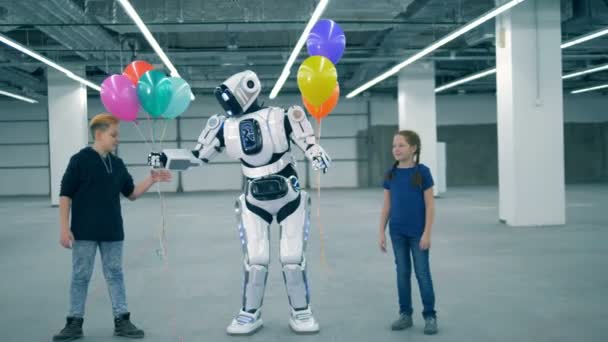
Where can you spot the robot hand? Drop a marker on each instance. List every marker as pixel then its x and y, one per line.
pixel 319 158
pixel 157 160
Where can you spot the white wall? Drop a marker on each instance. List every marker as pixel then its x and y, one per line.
pixel 481 109
pixel 24 150
pixel 24 167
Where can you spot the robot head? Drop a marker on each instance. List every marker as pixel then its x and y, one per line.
pixel 239 92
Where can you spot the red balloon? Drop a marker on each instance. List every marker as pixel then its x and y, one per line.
pixel 136 69
pixel 319 112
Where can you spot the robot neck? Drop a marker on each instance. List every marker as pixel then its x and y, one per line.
pixel 255 106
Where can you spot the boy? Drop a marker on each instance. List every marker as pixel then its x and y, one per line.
pixel 91 188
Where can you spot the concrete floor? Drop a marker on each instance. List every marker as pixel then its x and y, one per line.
pixel 493 282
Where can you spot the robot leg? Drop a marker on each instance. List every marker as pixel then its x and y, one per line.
pixel 254 235
pixel 253 232
pixel 295 229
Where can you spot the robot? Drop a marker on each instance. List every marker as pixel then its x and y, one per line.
pixel 261 138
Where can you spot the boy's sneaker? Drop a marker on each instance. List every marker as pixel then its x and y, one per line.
pixel 430 326
pixel 72 330
pixel 403 322
pixel 123 327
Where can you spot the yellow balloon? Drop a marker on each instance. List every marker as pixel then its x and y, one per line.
pixel 317 79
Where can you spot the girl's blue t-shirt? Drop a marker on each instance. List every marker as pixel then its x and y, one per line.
pixel 408 211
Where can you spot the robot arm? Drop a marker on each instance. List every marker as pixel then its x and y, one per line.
pixel 303 136
pixel 210 143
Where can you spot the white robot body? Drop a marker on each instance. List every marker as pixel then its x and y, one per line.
pixel 255 137
pixel 261 139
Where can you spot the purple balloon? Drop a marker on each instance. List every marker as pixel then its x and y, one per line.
pixel 326 39
pixel 119 96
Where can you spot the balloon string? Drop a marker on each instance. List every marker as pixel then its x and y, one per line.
pixel 162 136
pixel 324 262
pixel 163 231
pixel 142 135
pixel 151 127
pixel 162 235
pixel 169 274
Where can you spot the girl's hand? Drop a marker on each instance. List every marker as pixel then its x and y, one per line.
pixel 425 242
pixel 160 175
pixel 382 243
pixel 66 238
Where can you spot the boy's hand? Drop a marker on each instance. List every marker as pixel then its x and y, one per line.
pixel 66 238
pixel 425 242
pixel 160 175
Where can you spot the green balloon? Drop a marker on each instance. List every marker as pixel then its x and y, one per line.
pixel 154 91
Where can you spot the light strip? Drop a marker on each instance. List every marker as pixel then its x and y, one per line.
pixel 589 89
pixel 296 50
pixel 149 37
pixel 576 41
pixel 466 79
pixel 47 61
pixel 126 5
pixel 585 38
pixel 468 27
pixel 585 72
pixel 18 97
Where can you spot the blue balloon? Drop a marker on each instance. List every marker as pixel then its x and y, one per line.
pixel 180 99
pixel 326 39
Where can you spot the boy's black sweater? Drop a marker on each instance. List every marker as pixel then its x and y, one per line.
pixel 95 195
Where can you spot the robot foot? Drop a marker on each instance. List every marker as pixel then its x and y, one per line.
pixel 303 322
pixel 246 323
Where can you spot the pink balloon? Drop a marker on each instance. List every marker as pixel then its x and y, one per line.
pixel 119 96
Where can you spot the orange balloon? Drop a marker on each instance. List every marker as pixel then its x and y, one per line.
pixel 136 69
pixel 319 112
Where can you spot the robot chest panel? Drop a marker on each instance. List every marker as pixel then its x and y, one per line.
pixel 250 138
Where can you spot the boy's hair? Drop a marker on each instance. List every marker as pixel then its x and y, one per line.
pixel 101 122
pixel 413 139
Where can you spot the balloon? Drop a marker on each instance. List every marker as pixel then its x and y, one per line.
pixel 319 112
pixel 119 97
pixel 317 78
pixel 326 39
pixel 136 69
pixel 180 100
pixel 154 91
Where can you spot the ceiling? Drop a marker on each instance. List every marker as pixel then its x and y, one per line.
pixel 210 40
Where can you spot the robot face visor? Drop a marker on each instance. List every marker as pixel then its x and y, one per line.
pixel 228 101
pixel 268 188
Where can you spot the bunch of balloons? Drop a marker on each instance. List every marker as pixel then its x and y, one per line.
pixel 317 76
pixel 141 85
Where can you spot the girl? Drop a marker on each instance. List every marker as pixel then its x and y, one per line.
pixel 408 201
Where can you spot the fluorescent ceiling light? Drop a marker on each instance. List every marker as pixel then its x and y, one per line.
pixel 126 5
pixel 585 38
pixel 584 90
pixel 585 72
pixel 296 50
pixel 18 97
pixel 47 61
pixel 573 42
pixel 468 27
pixel 466 79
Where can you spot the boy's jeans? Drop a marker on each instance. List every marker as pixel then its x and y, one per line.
pixel 83 260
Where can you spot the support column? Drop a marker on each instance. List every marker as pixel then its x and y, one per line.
pixel 68 126
pixel 530 114
pixel 417 112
